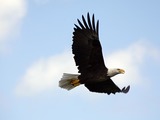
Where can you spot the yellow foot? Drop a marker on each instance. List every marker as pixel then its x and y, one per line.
pixel 75 82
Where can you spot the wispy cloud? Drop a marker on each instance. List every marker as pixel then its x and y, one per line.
pixel 11 14
pixel 131 59
pixel 45 73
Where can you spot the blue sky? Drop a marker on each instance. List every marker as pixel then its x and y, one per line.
pixel 35 50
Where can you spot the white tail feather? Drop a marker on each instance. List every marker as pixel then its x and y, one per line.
pixel 66 79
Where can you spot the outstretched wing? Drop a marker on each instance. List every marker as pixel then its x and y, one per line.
pixel 86 45
pixel 107 86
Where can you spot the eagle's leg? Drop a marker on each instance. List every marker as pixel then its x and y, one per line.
pixel 75 82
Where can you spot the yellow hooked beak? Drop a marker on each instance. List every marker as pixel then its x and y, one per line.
pixel 121 71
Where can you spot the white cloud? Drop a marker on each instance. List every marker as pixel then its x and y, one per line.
pixel 11 14
pixel 45 73
pixel 130 60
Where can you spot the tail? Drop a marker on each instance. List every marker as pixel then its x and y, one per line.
pixel 69 81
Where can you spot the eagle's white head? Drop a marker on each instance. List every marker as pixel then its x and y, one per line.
pixel 114 71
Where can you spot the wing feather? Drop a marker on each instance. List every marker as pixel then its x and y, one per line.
pixel 97 27
pixel 84 21
pixel 93 23
pixel 86 46
pixel 89 22
pixel 107 86
pixel 80 24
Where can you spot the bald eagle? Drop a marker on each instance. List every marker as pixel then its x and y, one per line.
pixel 88 57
